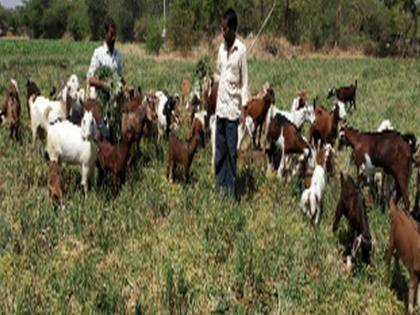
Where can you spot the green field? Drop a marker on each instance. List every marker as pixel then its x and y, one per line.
pixel 174 248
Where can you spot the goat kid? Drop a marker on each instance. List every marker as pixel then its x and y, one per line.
pixel 114 158
pixel 182 152
pixel 55 182
pixel 346 94
pixel 257 109
pixel 351 204
pixel 10 113
pixel 311 199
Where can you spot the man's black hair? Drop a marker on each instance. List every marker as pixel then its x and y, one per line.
pixel 109 22
pixel 231 18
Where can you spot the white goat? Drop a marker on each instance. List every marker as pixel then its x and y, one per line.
pixel 44 111
pixel 72 144
pixel 297 117
pixel 162 124
pixel 342 113
pixel 312 196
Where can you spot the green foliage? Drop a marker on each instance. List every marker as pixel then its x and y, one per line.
pixel 202 68
pixel 78 20
pixel 110 111
pixel 125 13
pixel 180 21
pixel 55 19
pixel 154 40
pixel 96 12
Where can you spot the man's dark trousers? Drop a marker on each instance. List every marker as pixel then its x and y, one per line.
pixel 225 163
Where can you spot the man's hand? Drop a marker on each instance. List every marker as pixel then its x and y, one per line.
pixel 105 85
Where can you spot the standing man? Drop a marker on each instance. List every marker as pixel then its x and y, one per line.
pixel 231 104
pixel 105 55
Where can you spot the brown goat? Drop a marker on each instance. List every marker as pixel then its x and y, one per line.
pixel 31 89
pixel 252 157
pixel 389 150
pixel 10 112
pixel 114 158
pixel 325 127
pixel 257 108
pixel 185 90
pixel 404 243
pixel 352 205
pixel 182 152
pixel 345 94
pixel 55 182
pixel 284 135
pixel 210 96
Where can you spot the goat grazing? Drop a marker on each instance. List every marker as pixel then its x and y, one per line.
pixel 182 152
pixel 114 158
pixel 10 113
pixel 404 243
pixel 284 136
pixel 345 94
pixel 72 144
pixel 352 205
pixel 311 200
pixel 389 150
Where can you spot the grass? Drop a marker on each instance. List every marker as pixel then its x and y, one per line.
pixel 177 248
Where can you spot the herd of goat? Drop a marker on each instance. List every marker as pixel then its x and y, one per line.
pixel 75 132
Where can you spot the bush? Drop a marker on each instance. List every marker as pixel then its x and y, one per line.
pixel 77 23
pixel 55 19
pixel 180 33
pixel 96 11
pixel 154 40
pixel 141 27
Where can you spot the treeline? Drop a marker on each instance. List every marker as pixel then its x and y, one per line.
pixel 374 25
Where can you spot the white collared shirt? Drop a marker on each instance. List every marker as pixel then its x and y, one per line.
pixel 103 57
pixel 233 83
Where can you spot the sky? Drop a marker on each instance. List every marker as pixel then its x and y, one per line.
pixel 10 3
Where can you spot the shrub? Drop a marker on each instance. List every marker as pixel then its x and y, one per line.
pixel 180 33
pixel 154 40
pixel 55 19
pixel 77 23
pixel 141 27
pixel 96 11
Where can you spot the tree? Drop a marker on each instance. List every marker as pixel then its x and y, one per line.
pixel 55 19
pixel 96 12
pixel 77 23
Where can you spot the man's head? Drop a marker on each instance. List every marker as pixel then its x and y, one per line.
pixel 230 24
pixel 110 33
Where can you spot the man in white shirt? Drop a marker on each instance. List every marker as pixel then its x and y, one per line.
pixel 232 99
pixel 105 55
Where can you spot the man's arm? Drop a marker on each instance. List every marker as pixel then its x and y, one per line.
pixel 244 81
pixel 94 65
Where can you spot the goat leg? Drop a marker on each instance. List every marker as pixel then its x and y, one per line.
pixel 411 288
